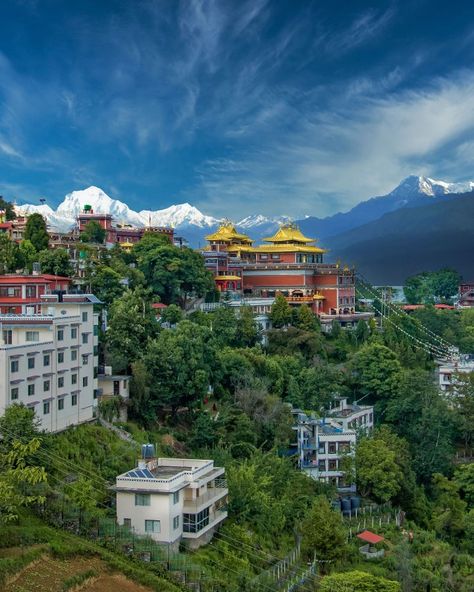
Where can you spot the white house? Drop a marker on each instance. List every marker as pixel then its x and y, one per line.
pixel 322 444
pixel 171 499
pixel 447 371
pixel 49 359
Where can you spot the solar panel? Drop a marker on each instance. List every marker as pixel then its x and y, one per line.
pixel 131 474
pixel 148 473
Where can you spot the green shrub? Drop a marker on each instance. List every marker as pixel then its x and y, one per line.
pixel 78 579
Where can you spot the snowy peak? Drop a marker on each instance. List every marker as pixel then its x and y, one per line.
pixel 414 186
pixel 178 215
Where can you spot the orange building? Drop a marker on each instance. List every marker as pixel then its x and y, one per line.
pixel 289 263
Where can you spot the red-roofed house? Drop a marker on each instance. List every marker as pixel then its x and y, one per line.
pixel 21 293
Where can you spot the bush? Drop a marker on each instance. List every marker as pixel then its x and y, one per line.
pixel 78 579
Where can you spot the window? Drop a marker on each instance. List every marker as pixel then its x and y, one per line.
pixel 73 332
pixel 85 381
pixel 175 522
pixel 73 378
pixel 73 400
pixel 84 360
pixel 85 337
pixel 322 465
pixel 46 407
pixel 332 448
pixel 175 497
pixel 332 465
pixel 31 390
pixel 195 522
pixel 127 522
pixel 61 404
pixel 84 317
pixel 31 363
pixel 96 330
pixel 73 355
pixel 46 385
pixel 30 291
pixel 32 336
pixel 344 447
pixel 14 393
pixel 116 388
pixel 142 499
pixel 152 526
pixel 46 360
pixel 60 334
pixel 7 336
pixel 60 357
pixel 14 366
pixel 61 382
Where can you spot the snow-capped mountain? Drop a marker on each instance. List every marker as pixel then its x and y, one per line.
pixel 64 217
pixel 194 224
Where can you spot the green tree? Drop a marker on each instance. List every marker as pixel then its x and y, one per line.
pixel 444 283
pixel 56 262
pixel 449 508
pixel 181 363
pixel 362 332
pixel 28 255
pixel 174 274
pixel 280 314
pixel 36 232
pixel 377 473
pixel 132 323
pixel 377 372
pixel 93 233
pixel 306 320
pixel 19 480
pixel 10 259
pixel 106 284
pixel 172 314
pixel 323 533
pixel 17 423
pixel 464 479
pixel 357 581
pixel 247 332
pixel 140 394
pixel 8 207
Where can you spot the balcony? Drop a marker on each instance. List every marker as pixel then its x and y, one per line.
pixel 215 518
pixel 210 497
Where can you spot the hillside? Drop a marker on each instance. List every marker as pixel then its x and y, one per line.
pixel 411 240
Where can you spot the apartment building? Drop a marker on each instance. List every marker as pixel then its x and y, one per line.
pixel 49 359
pixel 351 416
pixel 22 293
pixel 173 499
pixel 449 370
pixel 323 443
pixel 114 386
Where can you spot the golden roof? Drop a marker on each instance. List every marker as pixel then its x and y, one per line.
pixel 286 248
pixel 227 277
pixel 289 233
pixel 228 232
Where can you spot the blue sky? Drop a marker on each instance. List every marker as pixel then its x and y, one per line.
pixel 249 106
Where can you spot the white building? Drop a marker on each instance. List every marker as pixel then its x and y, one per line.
pixel 447 371
pixel 171 499
pixel 352 416
pixel 322 444
pixel 48 360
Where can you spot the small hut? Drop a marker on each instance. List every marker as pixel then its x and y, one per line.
pixel 369 550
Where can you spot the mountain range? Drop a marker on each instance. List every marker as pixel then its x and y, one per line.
pixel 419 212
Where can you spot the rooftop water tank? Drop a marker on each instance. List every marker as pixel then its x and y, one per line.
pixel 148 451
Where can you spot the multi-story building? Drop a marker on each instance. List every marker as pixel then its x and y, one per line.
pixel 49 359
pixel 466 295
pixel 22 293
pixel 323 444
pixel 352 416
pixel 119 233
pixel 290 264
pixel 449 369
pixel 171 499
